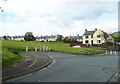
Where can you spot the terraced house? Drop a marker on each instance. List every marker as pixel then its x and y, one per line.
pixel 46 38
pixel 96 37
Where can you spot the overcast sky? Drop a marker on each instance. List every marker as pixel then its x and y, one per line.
pixel 66 17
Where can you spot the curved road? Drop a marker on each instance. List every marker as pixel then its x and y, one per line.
pixel 74 68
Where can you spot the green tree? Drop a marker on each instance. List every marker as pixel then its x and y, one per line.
pixel 28 36
pixel 7 37
pixel 59 37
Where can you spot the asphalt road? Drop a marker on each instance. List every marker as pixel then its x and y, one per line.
pixel 74 68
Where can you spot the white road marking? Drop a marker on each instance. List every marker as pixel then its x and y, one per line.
pixel 32 63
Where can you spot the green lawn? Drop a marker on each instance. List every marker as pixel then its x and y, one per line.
pixel 11 47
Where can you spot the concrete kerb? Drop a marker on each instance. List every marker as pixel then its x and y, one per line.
pixel 22 75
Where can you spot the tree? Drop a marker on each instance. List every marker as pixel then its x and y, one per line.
pixel 59 37
pixel 28 36
pixel 7 37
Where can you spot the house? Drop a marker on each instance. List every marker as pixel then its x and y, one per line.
pixel 110 38
pixel 75 38
pixel 41 38
pixel 95 37
pixel 51 38
pixel 1 38
pixel 46 38
pixel 18 38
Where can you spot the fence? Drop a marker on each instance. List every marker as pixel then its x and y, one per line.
pixel 41 48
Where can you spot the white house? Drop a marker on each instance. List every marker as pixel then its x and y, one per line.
pixel 18 38
pixel 46 38
pixel 1 38
pixel 95 37
pixel 41 38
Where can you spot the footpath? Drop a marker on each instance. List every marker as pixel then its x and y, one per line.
pixel 32 61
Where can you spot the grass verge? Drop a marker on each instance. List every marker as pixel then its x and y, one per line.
pixel 10 49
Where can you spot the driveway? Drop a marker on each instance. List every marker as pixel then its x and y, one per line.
pixel 75 68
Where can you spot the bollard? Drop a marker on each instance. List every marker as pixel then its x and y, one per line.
pixel 40 48
pixel 49 49
pixel 110 52
pixel 115 52
pixel 26 48
pixel 35 48
pixel 46 48
pixel 43 48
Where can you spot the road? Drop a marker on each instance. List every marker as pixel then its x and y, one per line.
pixel 75 68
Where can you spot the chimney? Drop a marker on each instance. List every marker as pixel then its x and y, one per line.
pixel 85 29
pixel 95 29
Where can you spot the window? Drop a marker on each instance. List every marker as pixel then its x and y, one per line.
pixel 98 36
pixel 91 41
pixel 86 36
pixel 92 36
pixel 98 41
pixel 86 41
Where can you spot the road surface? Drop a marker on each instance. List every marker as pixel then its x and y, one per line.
pixel 75 68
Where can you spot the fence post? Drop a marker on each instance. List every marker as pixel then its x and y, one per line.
pixel 49 49
pixel 35 48
pixel 26 48
pixel 40 48
pixel 110 52
pixel 46 48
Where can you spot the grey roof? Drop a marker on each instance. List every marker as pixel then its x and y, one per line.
pixel 45 37
pixel 89 33
pixel 50 37
pixel 75 37
pixel 40 37
pixel 18 36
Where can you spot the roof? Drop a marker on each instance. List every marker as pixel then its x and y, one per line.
pixel 45 37
pixel 18 36
pixel 75 37
pixel 40 37
pixel 89 33
pixel 50 37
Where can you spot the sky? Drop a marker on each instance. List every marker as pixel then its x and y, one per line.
pixel 51 17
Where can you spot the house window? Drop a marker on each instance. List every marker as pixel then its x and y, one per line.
pixel 98 36
pixel 92 36
pixel 92 42
pixel 98 41
pixel 86 36
pixel 86 41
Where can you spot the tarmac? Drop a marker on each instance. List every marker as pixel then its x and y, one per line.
pixel 31 63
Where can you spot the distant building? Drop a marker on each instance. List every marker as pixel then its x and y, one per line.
pixel 95 37
pixel 46 38
pixel 41 38
pixel 75 38
pixel 1 38
pixel 18 38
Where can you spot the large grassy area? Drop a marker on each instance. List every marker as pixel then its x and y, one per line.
pixel 10 49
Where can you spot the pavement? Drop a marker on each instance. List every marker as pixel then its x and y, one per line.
pixel 76 68
pixel 32 61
